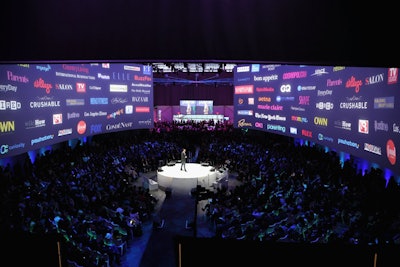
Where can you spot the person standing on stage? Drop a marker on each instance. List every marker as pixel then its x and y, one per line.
pixel 183 159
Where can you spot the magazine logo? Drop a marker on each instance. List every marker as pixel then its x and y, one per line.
pixel 7 88
pixel 373 149
pixel 324 105
pixel 44 102
pixel 293 130
pixel 243 123
pixel 363 126
pixel 393 74
pixel 321 121
pixel 353 83
pixel 16 78
pixel 64 86
pixel 264 99
pixel 381 126
pixel 11 105
pixel 244 89
pixel 41 84
pixel 324 92
pixel 243 69
pixel 319 72
pixel 147 70
pixel 119 126
pixel 7 126
pixel 95 128
pixel 348 143
pixel 57 119
pixel 330 83
pixel 374 79
pixel 343 125
pixel 322 137
pixel 75 102
pixel 81 127
pixel 81 87
pixel 140 99
pixel 353 103
pixel 391 151
pixel 286 88
pixel 35 124
pixel 103 76
pixel 384 102
pixel 265 78
pixel 245 112
pixel 64 132
pixel 259 125
pixel 98 101
pixel 118 88
pixel 73 115
pixel 128 109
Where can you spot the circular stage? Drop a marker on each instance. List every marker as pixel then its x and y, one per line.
pixel 172 177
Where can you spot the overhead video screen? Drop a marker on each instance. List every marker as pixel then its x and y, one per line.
pixel 44 104
pixel 350 109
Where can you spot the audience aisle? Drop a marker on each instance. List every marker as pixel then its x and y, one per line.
pixel 157 245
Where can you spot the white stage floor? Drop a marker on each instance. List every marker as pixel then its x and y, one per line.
pixel 197 174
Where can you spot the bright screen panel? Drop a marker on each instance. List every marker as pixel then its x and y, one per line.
pixel 350 109
pixel 44 104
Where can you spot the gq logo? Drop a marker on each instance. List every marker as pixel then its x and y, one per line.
pixel 286 88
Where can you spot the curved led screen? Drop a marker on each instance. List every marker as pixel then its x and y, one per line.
pixel 351 109
pixel 44 104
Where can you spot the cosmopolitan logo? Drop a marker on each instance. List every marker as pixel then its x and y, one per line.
pixel 299 119
pixel 140 99
pixel 43 68
pixel 35 124
pixel 16 78
pixel 324 105
pixel 381 126
pixel 306 133
pixel 269 117
pixel 75 102
pixel 265 78
pixel 73 115
pixel 259 125
pixel 304 100
pixel 306 88
pixel 270 107
pixel 95 128
pixel 293 130
pixel 119 126
pixel 98 101
pixel 264 99
pixel 103 76
pixel 330 83
pixel 63 86
pixel 42 139
pixel 324 92
pixel 143 78
pixel 384 102
pixel 321 121
pixel 7 88
pixel 243 69
pixel 41 84
pixel 245 112
pixel 7 126
pixel 11 105
pixel 118 100
pixel 284 98
pixel 363 126
pixel 142 109
pixel 391 151
pixel 374 79
pixel 243 123
pixel 343 125
pixel 319 72
pixel 275 127
pixel 373 149
pixel 322 137
pixel 393 74
pixel 353 83
pixel 294 75
pixel 265 89
pixel 348 143
pixel 63 132
pixel 244 89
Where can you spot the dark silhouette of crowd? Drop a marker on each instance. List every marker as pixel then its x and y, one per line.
pixel 87 195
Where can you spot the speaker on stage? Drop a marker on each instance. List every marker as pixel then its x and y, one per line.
pixel 160 169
